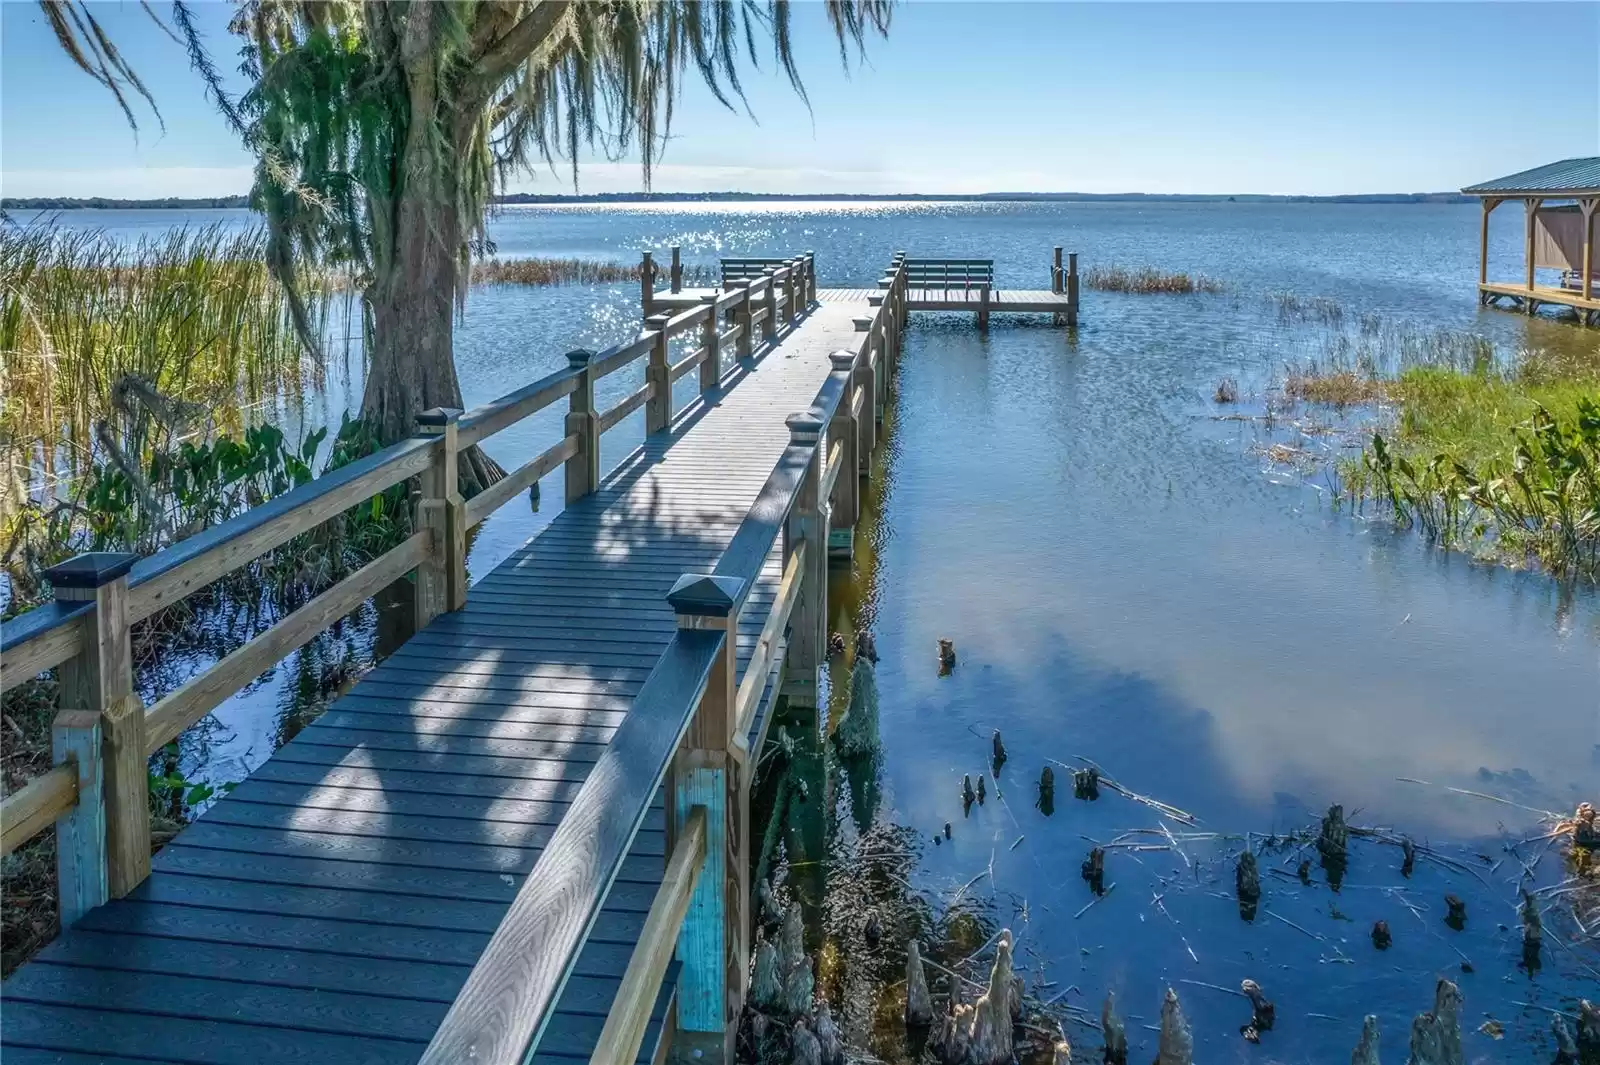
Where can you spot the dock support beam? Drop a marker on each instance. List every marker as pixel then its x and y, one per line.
pixel 99 680
pixel 442 576
pixel 658 375
pixel 1072 289
pixel 714 944
pixel 741 317
pixel 1589 210
pixel 711 338
pixel 582 469
pixel 647 285
pixel 1532 205
pixel 807 524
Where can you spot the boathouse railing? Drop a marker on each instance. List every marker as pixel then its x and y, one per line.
pixel 96 793
pixel 688 730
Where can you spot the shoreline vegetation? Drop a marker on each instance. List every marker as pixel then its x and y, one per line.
pixel 1147 281
pixel 109 203
pixel 1495 454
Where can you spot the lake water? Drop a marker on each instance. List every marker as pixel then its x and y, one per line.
pixel 1129 579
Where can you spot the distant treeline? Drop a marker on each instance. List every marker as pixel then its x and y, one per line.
pixel 65 203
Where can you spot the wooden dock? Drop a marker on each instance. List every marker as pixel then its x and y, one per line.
pixel 525 835
pixel 1529 300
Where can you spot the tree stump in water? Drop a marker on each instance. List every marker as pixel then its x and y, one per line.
pixel 919 1004
pixel 866 647
pixel 1247 883
pixel 1532 931
pixel 998 759
pixel 1455 912
pixel 857 734
pixel 1588 1039
pixel 968 796
pixel 1436 1035
pixel 1175 1045
pixel 766 985
pixel 828 1038
pixel 807 1051
pixel 953 1035
pixel 1086 784
pixel 1263 1014
pixel 1366 1052
pixel 1113 1032
pixel 1333 845
pixel 794 968
pixel 1094 871
pixel 1408 857
pixel 991 1042
pixel 1380 935
pixel 1047 791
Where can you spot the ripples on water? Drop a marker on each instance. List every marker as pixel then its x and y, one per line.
pixel 1128 580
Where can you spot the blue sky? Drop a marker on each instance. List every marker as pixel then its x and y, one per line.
pixel 969 97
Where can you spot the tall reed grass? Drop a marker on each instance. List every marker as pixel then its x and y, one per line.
pixel 190 315
pixel 537 271
pixel 1147 280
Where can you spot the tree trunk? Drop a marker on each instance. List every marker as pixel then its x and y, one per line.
pixel 411 366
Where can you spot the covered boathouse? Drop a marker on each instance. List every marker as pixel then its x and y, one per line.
pixel 1561 201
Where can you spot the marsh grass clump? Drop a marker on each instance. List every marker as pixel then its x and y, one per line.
pixel 1338 389
pixel 546 271
pixel 1293 307
pixel 1227 391
pixel 1147 280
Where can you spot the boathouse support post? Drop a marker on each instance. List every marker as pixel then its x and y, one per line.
pixel 714 943
pixel 647 285
pixel 583 468
pixel 442 574
pixel 1589 210
pixel 677 269
pixel 1531 205
pixel 1489 204
pixel 75 737
pixel 99 680
pixel 711 363
pixel 807 524
pixel 658 375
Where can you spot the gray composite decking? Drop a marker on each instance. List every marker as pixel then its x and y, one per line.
pixel 331 906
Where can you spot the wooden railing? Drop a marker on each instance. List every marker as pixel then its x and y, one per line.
pixel 950 273
pixel 96 794
pixel 689 730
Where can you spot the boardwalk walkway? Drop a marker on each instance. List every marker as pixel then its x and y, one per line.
pixel 330 908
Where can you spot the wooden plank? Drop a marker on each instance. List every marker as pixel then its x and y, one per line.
pixel 615 358
pixel 632 402
pixel 507 1001
pixel 755 679
pixel 189 565
pixel 40 639
pixel 529 473
pixel 513 407
pixel 625 1024
pixel 198 1042
pixel 82 861
pixel 198 697
pixel 35 806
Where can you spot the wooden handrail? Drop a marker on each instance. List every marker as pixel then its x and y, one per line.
pixel 529 473
pixel 830 471
pixel 485 421
pixel 35 806
pixel 511 993
pixel 168 576
pixel 755 674
pixel 41 639
pixel 630 403
pixel 625 1025
pixel 687 363
pixel 199 696
pixel 615 358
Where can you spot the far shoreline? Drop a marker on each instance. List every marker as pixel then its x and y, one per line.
pixel 102 203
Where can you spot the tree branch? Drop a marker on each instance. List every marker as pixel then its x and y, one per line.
pixel 501 56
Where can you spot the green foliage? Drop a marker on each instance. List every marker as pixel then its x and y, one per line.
pixel 1542 501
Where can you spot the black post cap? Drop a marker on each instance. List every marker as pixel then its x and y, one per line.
pixel 805 427
pixel 92 569
pixel 843 360
pixel 705 595
pixel 438 417
pixel 579 358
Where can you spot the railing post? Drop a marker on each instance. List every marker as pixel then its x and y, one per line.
pixel 983 305
pixel 1056 284
pixel 658 373
pixel 583 468
pixel 741 316
pixel 714 945
pixel 769 326
pixel 808 524
pixel 677 270
pixel 442 576
pixel 711 365
pixel 788 293
pixel 844 503
pixel 865 379
pixel 811 278
pixel 647 285
pixel 99 679
pixel 1072 289
pixel 80 832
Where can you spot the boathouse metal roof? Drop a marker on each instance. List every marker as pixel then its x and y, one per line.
pixel 1568 176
